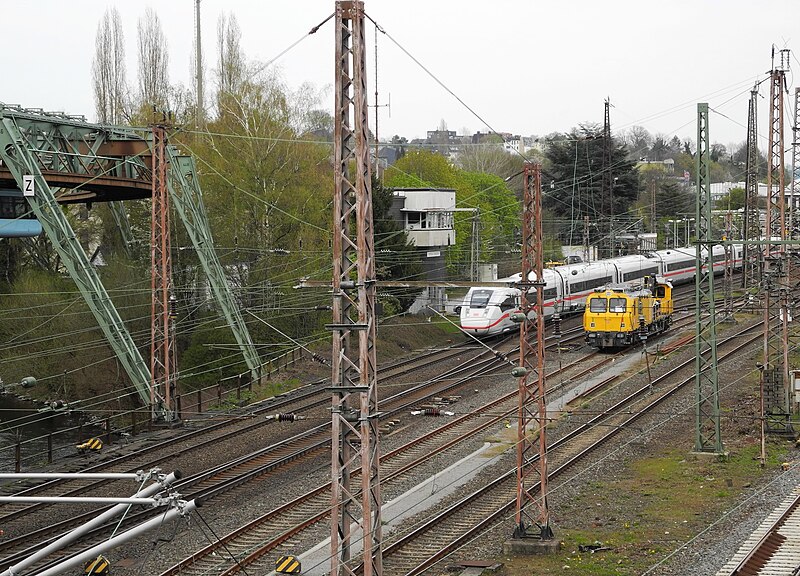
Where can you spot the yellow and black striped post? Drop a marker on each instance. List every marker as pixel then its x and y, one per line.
pixel 98 566
pixel 287 565
pixel 94 444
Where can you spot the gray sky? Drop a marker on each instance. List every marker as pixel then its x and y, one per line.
pixel 527 67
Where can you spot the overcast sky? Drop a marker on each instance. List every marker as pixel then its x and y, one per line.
pixel 526 67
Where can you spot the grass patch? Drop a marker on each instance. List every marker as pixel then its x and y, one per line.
pixel 268 390
pixel 645 510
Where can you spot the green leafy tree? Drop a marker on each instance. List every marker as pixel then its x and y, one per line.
pixel 733 200
pixel 574 175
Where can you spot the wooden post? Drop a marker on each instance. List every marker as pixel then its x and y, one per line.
pixel 108 430
pixel 199 401
pixel 18 458
pixel 49 447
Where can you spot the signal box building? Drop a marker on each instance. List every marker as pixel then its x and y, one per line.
pixel 427 216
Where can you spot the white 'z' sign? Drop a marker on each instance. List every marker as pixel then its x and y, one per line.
pixel 28 185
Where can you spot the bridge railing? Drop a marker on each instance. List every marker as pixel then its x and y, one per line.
pixel 119 427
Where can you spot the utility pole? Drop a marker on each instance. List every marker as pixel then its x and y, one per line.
pixel 377 106
pixel 475 248
pixel 532 409
pixel 727 279
pixel 707 424
pixel 586 248
pixel 354 381
pixel 198 57
pixel 795 165
pixel 608 180
pixel 752 220
pixel 162 337
pixel 775 368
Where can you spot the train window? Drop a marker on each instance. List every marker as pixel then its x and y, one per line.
pixel 549 293
pixel 598 304
pixel 661 292
pixel 616 304
pixel 639 274
pixel 681 265
pixel 480 298
pixel 508 304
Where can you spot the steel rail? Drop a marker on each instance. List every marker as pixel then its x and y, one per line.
pixel 289 521
pixel 308 397
pixel 447 518
pixel 755 561
pixel 209 484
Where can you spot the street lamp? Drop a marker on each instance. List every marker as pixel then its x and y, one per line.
pixel 674 231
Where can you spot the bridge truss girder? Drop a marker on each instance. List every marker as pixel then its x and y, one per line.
pixel 19 152
pixel 78 162
pixel 186 197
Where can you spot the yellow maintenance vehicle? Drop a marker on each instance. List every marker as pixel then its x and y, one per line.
pixel 618 315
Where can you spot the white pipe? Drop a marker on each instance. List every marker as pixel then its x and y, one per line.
pixel 79 500
pixel 72 536
pixel 93 552
pixel 72 475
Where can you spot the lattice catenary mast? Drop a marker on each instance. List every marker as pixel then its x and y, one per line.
pixel 774 372
pixel 707 425
pixel 532 408
pixel 162 348
pixel 354 377
pixel 752 220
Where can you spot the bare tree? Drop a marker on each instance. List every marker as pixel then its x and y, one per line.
pixel 153 61
pixel 230 59
pixel 108 70
pixel 639 141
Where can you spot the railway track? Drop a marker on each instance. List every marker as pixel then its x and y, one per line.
pixel 291 520
pixel 211 483
pixel 226 477
pixel 288 522
pixel 189 439
pixel 774 548
pixel 423 546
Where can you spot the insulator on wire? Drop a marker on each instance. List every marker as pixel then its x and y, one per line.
pixel 432 412
pixel 557 324
pixel 173 307
pixel 282 417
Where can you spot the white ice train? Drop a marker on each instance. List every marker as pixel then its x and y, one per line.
pixel 485 311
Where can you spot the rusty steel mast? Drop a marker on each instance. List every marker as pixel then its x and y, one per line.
pixel 162 348
pixel 354 413
pixel 532 408
pixel 775 370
